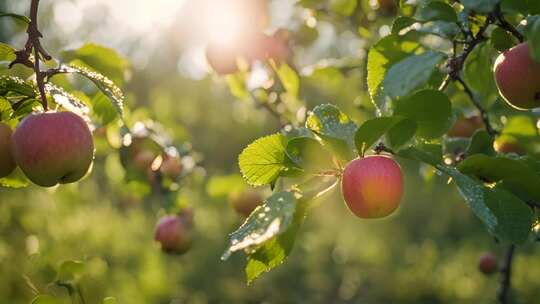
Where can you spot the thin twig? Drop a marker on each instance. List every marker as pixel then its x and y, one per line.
pixel 483 112
pixel 506 276
pixel 33 44
pixel 504 24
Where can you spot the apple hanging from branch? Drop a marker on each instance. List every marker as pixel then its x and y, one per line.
pixel 53 148
pixel 372 186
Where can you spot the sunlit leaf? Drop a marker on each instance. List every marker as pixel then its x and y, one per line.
pixel 264 160
pixel 66 100
pixel 99 58
pixel 334 127
pixel 272 218
pixel 7 53
pixel 16 17
pixel 103 83
pixel 16 85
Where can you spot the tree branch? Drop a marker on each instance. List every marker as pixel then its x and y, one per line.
pixel 503 295
pixel 505 24
pixel 483 112
pixel 33 44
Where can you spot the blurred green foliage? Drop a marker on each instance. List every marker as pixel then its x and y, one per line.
pixel 98 234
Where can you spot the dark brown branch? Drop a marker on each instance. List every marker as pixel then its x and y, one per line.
pixel 483 112
pixel 503 295
pixel 33 44
pixel 504 24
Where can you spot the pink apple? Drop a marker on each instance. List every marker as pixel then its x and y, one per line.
pixel 487 263
pixel 7 163
pixel 372 186
pixel 173 232
pixel 518 77
pixel 53 148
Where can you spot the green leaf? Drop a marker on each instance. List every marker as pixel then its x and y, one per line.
pixel 515 174
pixel 70 270
pixel 16 85
pixel 45 299
pixel 501 40
pixel 273 253
pixel 478 74
pixel 98 58
pixel 401 23
pixel 442 29
pixel 385 53
pixel 480 143
pixel 372 130
pixel 264 160
pixel 480 6
pixel 6 111
pixel 427 153
pixel 272 218
pixel 343 7
pixel 436 10
pixel 532 31
pixel 289 78
pixel 103 109
pixel 16 17
pixel 430 109
pixel 66 100
pixel 334 127
pixel 103 83
pixel 401 133
pixel 7 53
pixel 410 74
pixel 504 215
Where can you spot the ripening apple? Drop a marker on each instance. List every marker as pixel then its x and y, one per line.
pixel 518 77
pixel 465 126
pixel 487 263
pixel 139 154
pixel 372 186
pixel 7 163
pixel 388 6
pixel 53 148
pixel 174 233
pixel 171 166
pixel 244 202
pixel 224 58
pixel 508 144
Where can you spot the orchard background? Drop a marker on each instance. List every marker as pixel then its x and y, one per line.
pixel 312 85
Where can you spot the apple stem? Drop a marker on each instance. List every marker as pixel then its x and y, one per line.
pixel 506 276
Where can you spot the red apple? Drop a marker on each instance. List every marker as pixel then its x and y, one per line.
pixel 465 127
pixel 372 186
pixel 173 232
pixel 7 163
pixel 139 153
pixel 518 77
pixel 388 7
pixel 171 166
pixel 53 148
pixel 488 264
pixel 244 202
